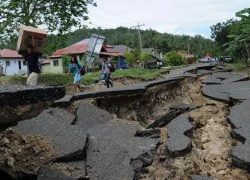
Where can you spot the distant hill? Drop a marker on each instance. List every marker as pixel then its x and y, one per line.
pixel 163 42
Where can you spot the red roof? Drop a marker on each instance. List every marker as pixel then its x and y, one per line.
pixel 77 48
pixel 8 53
pixel 82 46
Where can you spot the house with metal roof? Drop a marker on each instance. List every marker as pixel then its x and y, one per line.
pixel 79 49
pixel 155 61
pixel 11 63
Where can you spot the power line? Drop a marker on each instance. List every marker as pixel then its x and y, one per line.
pixel 138 26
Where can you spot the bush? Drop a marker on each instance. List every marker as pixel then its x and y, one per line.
pixel 173 59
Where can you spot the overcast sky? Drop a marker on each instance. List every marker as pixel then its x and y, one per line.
pixel 171 16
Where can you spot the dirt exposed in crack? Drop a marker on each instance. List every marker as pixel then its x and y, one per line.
pixel 10 114
pixel 211 141
pixel 154 103
pixel 23 154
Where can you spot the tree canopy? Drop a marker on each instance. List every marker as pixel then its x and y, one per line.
pixel 234 36
pixel 221 31
pixel 56 15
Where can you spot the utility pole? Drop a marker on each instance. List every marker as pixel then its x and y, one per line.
pixel 138 26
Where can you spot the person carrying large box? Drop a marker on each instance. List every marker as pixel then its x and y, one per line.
pixel 30 44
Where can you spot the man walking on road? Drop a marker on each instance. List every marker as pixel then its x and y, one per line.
pixel 106 65
pixel 33 67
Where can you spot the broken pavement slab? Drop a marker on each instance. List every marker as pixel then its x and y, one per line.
pixel 239 118
pixel 55 125
pixel 173 112
pixel 63 102
pixel 211 80
pixel 113 146
pixel 179 132
pixel 240 94
pixel 89 116
pixel 181 72
pixel 16 95
pixel 222 92
pixel 241 156
pixel 20 102
pixel 224 77
pixel 117 91
pixel 46 173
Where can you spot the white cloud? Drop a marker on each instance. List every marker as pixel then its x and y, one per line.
pixel 171 16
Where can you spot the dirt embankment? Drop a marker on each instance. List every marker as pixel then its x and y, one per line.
pixel 23 155
pixel 211 142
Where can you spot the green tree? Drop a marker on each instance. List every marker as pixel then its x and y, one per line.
pixel 132 57
pixel 173 59
pixel 65 62
pixel 60 15
pixel 240 35
pixel 144 57
pixel 220 32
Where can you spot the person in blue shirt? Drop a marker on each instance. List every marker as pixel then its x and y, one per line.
pixel 74 68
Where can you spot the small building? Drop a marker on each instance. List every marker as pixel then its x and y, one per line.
pixel 46 66
pixel 120 58
pixel 11 63
pixel 155 61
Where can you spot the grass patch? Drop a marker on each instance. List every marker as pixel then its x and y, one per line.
pixel 90 78
pixel 146 74
pixel 237 66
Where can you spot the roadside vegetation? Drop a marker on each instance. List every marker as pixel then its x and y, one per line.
pixel 89 78
pixel 237 66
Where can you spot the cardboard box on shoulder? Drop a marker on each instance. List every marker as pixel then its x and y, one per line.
pixel 30 36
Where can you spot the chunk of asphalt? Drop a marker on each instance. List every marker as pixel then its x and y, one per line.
pixel 153 133
pixel 17 95
pixel 63 102
pixel 89 116
pixel 217 92
pixel 241 156
pixel 198 177
pixel 178 144
pixel 201 72
pixel 173 113
pixel 240 94
pixel 222 92
pixel 161 82
pixel 117 91
pixel 165 119
pixel 112 146
pixel 223 75
pixel 239 116
pixel 142 161
pixel 188 74
pixel 55 125
pixel 236 78
pixel 46 173
pixel 181 72
pixel 184 107
pixel 211 80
